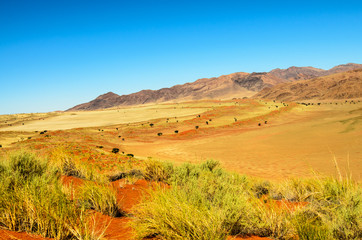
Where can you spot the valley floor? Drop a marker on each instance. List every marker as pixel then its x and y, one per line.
pixel 292 139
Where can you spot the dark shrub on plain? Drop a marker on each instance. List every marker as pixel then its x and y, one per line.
pixel 115 150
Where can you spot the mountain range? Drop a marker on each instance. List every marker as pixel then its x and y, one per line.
pixel 342 85
pixel 239 85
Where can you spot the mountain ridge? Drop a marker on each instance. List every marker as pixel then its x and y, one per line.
pixel 239 84
pixel 340 85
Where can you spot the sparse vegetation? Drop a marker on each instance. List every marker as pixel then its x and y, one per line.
pixel 205 201
pixel 185 201
pixel 32 200
pixel 68 166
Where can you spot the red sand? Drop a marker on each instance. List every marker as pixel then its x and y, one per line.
pixel 6 235
pixel 128 195
pixel 69 180
pixel 247 238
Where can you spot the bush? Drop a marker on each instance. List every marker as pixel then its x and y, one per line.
pixel 115 150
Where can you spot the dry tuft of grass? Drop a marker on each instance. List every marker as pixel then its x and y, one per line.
pixel 101 198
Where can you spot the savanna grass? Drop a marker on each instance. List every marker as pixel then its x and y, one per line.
pixel 101 198
pixel 32 200
pixel 205 198
pixel 71 166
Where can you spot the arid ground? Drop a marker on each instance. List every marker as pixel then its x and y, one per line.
pixel 292 139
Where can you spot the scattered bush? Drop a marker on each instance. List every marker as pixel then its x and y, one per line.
pixel 159 134
pixel 115 150
pixel 132 173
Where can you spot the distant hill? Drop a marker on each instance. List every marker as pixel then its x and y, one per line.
pixel 341 85
pixel 238 84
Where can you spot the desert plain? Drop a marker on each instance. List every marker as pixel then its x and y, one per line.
pixel 262 138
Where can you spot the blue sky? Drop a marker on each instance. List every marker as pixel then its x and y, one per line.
pixel 56 54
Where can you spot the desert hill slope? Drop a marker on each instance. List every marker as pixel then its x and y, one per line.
pixel 341 85
pixel 238 84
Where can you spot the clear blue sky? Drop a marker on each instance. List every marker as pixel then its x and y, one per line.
pixel 56 54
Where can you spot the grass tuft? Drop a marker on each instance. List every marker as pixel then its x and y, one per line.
pixel 101 198
pixel 32 199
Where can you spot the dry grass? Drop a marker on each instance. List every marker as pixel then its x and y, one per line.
pixel 32 200
pixel 206 199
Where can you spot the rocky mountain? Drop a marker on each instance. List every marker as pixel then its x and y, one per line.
pixel 342 85
pixel 238 84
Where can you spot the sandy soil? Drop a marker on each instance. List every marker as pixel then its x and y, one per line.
pixel 8 235
pixel 292 144
pixel 70 120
